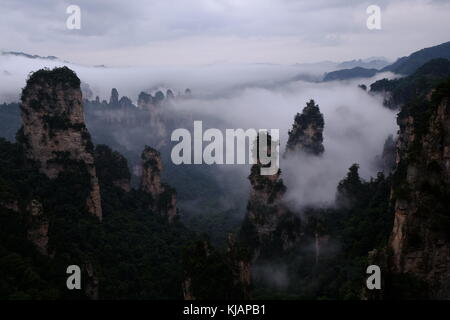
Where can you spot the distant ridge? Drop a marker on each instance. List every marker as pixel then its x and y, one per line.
pixel 26 55
pixel 404 66
pixel 370 63
pixel 347 74
pixel 399 91
pixel 408 65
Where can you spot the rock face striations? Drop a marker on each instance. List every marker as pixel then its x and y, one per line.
pixel 420 241
pixel 163 196
pixel 54 132
pixel 307 132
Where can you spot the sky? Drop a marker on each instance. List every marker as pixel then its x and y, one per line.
pixel 202 32
pixel 240 83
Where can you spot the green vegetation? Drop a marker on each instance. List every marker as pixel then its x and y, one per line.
pixel 414 87
pixel 211 272
pixel 135 253
pixel 310 118
pixel 361 222
pixel 54 77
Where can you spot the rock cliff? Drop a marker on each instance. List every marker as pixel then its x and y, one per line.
pixel 163 196
pixel 54 133
pixel 420 239
pixel 268 225
pixel 307 131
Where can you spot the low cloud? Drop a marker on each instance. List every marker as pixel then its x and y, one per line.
pixel 252 96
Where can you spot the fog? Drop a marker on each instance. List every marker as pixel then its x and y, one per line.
pixel 251 96
pixel 205 80
pixel 356 126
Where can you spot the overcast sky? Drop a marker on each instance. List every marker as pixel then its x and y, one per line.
pixel 191 32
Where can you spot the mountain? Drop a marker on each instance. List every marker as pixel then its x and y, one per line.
pixel 64 201
pixel 269 227
pixel 54 133
pixel 163 196
pixel 26 55
pixel 404 66
pixel 55 185
pixel 347 74
pixel 370 63
pixel 408 65
pixel 307 131
pixel 399 91
pixel 417 255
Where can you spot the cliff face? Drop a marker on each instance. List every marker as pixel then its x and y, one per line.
pixel 420 241
pixel 163 196
pixel 54 132
pixel 268 224
pixel 307 132
pixel 387 159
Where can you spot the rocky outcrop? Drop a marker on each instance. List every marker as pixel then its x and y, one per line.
pixel 151 171
pixel 114 98
pixel 420 241
pixel 54 134
pixel 169 94
pixel 163 196
pixel 144 99
pixel 269 225
pixel 155 112
pixel 307 132
pixel 125 102
pixel 159 97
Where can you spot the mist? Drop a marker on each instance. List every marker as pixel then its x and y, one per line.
pixel 249 96
pixel 356 126
pixel 209 80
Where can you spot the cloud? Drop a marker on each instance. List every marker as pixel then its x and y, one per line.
pixel 181 32
pixel 356 126
pixel 250 96
pixel 207 80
